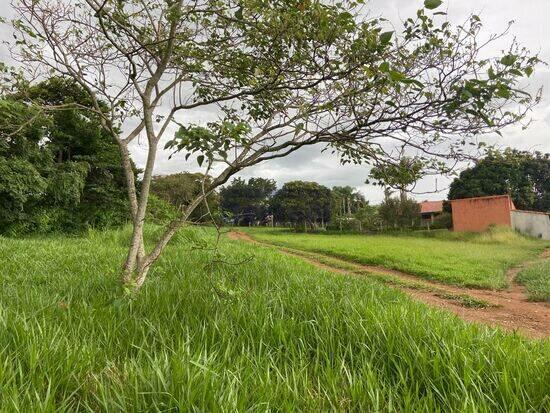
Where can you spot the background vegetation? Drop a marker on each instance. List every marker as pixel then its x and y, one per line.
pixel 59 172
pixel 476 260
pixel 247 202
pixel 524 176
pixel 180 189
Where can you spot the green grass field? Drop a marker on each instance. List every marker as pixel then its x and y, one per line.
pixel 461 259
pixel 536 279
pixel 285 336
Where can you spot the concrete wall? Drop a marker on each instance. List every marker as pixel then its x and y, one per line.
pixel 478 214
pixel 535 224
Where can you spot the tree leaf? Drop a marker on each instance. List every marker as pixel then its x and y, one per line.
pixel 384 67
pixel 397 76
pixel 432 4
pixel 466 94
pixel 200 159
pixel 385 37
pixel 508 60
pixel 239 13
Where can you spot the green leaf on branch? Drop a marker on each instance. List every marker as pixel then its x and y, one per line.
pixel 385 37
pixel 465 95
pixel 384 67
pixel 397 76
pixel 503 92
pixel 508 60
pixel 432 4
pixel 239 13
pixel 200 159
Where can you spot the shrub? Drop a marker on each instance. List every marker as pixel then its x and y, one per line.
pixel 160 211
pixel 443 221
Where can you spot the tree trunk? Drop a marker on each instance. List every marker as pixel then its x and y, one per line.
pixel 134 276
pixel 138 263
pixel 136 258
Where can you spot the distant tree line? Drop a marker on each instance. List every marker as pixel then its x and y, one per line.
pixel 303 205
pixel 311 206
pixel 60 172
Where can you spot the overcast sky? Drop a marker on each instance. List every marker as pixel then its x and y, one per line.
pixel 531 28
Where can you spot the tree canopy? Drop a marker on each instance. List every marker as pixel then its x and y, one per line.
pixel 247 202
pixel 182 188
pixel 346 200
pixel 59 171
pixel 402 175
pixel 305 204
pixel 524 176
pixel 399 212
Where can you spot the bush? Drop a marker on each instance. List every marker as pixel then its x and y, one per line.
pixel 443 221
pixel 160 211
pixel 399 213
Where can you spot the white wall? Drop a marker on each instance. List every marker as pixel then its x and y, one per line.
pixel 532 223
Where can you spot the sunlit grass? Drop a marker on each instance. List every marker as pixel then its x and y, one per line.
pixel 291 338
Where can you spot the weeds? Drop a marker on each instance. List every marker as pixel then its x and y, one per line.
pixel 536 279
pixel 465 300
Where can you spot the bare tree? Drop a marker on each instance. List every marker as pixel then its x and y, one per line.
pixel 281 75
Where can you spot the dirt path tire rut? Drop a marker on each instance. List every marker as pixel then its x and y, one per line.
pixel 509 309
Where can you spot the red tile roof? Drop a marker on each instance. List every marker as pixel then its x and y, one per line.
pixel 427 207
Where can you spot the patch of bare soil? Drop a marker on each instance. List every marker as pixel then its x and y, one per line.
pixel 509 309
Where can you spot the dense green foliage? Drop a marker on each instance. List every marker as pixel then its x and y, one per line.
pixel 522 175
pixel 290 338
pixel 159 211
pixel 402 212
pixel 536 279
pixel 247 202
pixel 181 189
pixel 477 260
pixel 303 204
pixel 59 171
pixel 443 221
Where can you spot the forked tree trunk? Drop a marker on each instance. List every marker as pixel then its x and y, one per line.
pixel 136 256
pixel 138 263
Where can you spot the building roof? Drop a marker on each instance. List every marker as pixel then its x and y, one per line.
pixel 428 207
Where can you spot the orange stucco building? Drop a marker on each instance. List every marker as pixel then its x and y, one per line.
pixel 478 214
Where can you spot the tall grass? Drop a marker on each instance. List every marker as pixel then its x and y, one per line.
pixel 536 279
pixel 472 260
pixel 289 337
